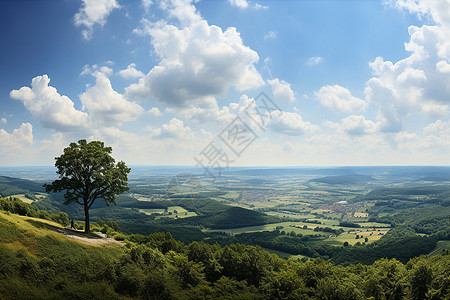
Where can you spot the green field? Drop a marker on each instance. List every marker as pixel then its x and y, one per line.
pixel 441 245
pixel 172 212
pixel 23 198
pixel 285 255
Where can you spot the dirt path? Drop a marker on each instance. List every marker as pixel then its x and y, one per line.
pixel 95 238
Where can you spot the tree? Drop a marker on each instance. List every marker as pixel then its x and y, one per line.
pixel 88 172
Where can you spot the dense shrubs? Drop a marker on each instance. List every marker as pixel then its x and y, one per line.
pixel 17 206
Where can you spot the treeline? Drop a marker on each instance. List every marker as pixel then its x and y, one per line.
pixel 13 186
pixel 159 267
pixel 433 220
pixel 399 243
pixel 17 206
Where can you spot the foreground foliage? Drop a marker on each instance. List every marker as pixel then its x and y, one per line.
pixel 39 264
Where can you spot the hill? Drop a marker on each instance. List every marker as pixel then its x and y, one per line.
pixel 344 179
pixel 12 186
pixel 39 262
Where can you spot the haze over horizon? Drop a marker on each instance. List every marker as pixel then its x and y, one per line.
pixel 349 83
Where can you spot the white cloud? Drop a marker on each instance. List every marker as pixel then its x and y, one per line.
pixel 239 3
pixel 17 140
pixel 198 61
pixel 438 127
pixel 357 125
pixel 435 109
pixel 130 72
pixel 4 121
pixel 94 12
pixel 339 99
pixel 419 82
pixel 290 123
pixel 314 60
pixel 213 113
pixel 270 35
pixel 52 109
pixel 106 105
pixel 175 129
pixel 443 66
pixel 281 90
pixel 155 112
pixel 91 70
pixel 147 4
pixel 259 6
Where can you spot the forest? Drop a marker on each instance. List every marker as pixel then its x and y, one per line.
pixel 43 265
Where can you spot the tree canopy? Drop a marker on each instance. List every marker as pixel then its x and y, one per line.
pixel 88 172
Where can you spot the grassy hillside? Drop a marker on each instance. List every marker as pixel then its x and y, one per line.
pixel 38 262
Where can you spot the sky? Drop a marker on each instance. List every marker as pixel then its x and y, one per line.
pixel 219 83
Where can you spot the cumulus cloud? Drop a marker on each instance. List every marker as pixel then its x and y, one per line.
pixel 18 139
pixel 419 82
pixel 281 90
pixel 290 123
pixel 339 99
pixel 314 60
pixel 437 127
pixel 91 70
pixel 239 3
pixel 130 72
pixel 175 129
pixel 357 125
pixel 4 120
pixel 198 61
pixel 94 12
pixel 155 112
pixel 52 109
pixel 106 105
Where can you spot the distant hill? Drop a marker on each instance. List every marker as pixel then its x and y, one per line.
pixel 344 179
pixel 212 214
pixel 12 186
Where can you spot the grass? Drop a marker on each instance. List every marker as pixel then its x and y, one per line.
pixel 22 198
pixel 441 245
pixel 38 237
pixel 285 255
pixel 181 212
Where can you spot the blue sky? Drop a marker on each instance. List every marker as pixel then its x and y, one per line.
pixel 355 82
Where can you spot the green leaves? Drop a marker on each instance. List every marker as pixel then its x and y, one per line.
pixel 87 172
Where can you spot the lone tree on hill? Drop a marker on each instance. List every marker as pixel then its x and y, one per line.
pixel 88 172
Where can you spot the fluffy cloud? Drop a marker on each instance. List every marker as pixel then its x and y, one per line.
pixel 174 129
pixel 130 72
pixel 290 123
pixel 106 105
pixel 17 140
pixel 4 121
pixel 437 127
pixel 357 125
pixel 339 99
pixel 239 3
pixel 155 112
pixel 198 61
pixel 52 109
pixel 418 82
pixel 281 90
pixel 94 12
pixel 213 113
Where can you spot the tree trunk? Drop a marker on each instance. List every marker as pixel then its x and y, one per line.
pixel 87 226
